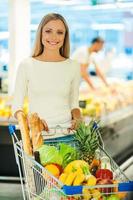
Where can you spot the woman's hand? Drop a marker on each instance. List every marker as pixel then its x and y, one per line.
pixel 76 118
pixel 18 114
pixel 45 125
pixel 36 122
pixel 74 124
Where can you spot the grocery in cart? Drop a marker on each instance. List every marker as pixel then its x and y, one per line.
pixel 72 166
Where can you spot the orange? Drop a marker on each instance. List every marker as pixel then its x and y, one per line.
pixel 53 169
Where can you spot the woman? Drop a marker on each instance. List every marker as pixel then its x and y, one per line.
pixel 49 78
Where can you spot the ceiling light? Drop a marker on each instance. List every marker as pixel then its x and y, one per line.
pixel 124 5
pixel 96 7
pixel 107 6
pixel 113 26
pixel 65 2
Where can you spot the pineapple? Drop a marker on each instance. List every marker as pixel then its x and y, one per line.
pixel 87 140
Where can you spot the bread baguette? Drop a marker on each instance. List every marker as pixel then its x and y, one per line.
pixel 24 129
pixel 36 127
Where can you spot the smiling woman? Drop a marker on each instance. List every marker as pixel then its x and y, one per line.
pixel 52 33
pixel 49 77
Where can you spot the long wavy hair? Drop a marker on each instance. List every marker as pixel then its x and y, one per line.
pixel 39 47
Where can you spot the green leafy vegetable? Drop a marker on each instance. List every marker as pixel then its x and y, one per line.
pixel 49 154
pixel 68 153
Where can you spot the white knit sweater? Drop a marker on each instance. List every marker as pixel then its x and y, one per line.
pixel 52 89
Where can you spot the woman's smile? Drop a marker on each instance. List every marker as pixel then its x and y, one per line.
pixel 53 43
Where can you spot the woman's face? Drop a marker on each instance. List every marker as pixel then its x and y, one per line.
pixel 53 34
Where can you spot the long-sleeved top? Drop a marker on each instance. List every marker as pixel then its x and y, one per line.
pixel 52 89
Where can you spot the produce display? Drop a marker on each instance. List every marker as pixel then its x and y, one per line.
pixel 94 104
pixel 5 106
pixel 105 100
pixel 85 164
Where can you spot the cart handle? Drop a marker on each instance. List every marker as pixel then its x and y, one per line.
pixel 12 129
pixel 122 187
pixel 125 187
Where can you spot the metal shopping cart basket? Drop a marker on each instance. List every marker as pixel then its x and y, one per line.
pixel 38 184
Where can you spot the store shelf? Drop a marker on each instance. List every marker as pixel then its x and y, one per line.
pixel 114 117
pixel 117 129
pixel 106 120
pixel 6 121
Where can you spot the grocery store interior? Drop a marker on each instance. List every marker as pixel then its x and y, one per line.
pixel 111 20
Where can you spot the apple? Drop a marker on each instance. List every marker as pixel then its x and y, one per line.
pixel 104 182
pixel 104 174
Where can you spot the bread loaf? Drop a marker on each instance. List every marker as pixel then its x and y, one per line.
pixel 36 127
pixel 24 129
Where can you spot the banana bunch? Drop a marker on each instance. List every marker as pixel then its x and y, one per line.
pixel 76 173
pixel 75 177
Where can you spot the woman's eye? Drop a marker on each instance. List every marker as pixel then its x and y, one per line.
pixel 60 32
pixel 47 31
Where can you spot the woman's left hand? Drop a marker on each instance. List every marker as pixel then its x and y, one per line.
pixel 74 124
pixel 76 118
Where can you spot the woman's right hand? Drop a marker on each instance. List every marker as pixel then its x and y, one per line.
pixel 18 114
pixel 35 121
pixel 45 125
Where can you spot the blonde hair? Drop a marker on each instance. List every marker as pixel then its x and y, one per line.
pixel 38 46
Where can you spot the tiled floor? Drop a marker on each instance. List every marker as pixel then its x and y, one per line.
pixel 10 191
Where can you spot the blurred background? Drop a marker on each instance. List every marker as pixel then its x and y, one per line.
pixel 110 19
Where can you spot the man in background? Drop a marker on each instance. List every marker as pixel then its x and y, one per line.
pixel 88 59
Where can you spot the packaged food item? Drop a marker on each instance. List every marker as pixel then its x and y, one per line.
pixel 96 163
pixel 105 163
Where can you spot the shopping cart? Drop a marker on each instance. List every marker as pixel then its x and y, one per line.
pixel 38 184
